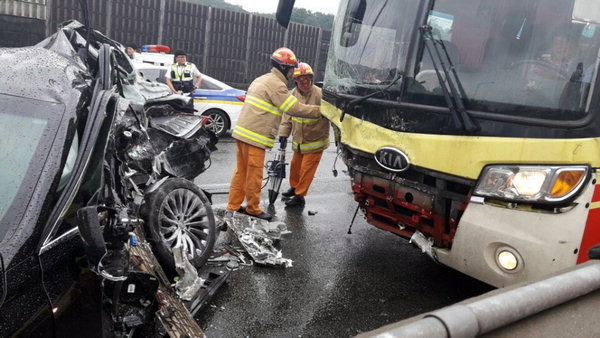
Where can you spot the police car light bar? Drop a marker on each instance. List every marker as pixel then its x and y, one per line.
pixel 155 48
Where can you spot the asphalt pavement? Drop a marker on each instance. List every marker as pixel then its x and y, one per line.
pixel 340 284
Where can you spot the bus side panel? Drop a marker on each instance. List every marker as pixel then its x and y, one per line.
pixel 591 235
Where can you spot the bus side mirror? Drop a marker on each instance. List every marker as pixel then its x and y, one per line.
pixel 594 252
pixel 284 12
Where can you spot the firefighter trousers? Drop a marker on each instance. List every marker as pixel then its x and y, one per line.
pixel 302 171
pixel 247 178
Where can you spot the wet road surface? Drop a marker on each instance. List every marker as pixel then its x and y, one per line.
pixel 340 284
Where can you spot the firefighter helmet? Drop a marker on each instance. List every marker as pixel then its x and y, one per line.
pixel 284 57
pixel 303 69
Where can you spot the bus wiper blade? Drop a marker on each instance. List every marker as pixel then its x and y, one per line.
pixel 361 99
pixel 452 97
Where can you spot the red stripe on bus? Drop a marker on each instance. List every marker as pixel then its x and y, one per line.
pixel 596 196
pixel 591 234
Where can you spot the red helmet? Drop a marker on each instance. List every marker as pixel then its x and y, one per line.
pixel 303 69
pixel 285 57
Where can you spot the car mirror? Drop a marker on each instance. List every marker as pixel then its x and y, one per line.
pixel 594 252
pixel 284 12
pixel 319 84
pixel 91 233
pixel 586 11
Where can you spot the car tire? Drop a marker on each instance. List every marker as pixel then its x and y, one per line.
pixel 179 211
pixel 219 121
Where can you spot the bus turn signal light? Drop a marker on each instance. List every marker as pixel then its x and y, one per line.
pixel 566 181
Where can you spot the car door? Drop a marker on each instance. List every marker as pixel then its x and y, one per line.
pixel 205 96
pixel 72 289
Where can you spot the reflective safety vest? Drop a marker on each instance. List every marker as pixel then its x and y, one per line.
pixel 267 100
pixel 183 81
pixel 309 135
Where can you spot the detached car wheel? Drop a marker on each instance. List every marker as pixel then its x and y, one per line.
pixel 218 123
pixel 178 212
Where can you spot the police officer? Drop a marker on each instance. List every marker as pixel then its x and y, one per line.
pixel 266 101
pixel 183 76
pixel 310 137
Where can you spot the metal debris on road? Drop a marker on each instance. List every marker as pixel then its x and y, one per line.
pixel 256 236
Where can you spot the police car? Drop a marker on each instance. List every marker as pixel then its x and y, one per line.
pixel 215 99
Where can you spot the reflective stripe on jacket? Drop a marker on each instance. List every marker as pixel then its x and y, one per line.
pixel 266 102
pixel 309 135
pixel 185 76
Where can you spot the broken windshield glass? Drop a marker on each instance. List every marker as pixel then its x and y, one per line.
pixel 370 44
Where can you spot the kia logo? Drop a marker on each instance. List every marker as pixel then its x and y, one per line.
pixel 392 159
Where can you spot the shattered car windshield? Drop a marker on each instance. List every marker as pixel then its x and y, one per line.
pixel 370 43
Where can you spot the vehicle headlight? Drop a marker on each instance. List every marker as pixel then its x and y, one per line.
pixel 531 183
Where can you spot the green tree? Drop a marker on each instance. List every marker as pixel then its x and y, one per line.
pixel 219 4
pixel 309 17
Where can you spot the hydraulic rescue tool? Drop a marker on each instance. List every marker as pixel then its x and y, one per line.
pixel 276 170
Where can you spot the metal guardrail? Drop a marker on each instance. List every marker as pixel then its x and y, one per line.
pixel 498 310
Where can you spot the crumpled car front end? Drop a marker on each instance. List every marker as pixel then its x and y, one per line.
pixel 99 153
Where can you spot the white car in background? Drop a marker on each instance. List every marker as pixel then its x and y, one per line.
pixel 215 99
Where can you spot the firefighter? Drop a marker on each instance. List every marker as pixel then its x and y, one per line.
pixel 183 76
pixel 310 137
pixel 266 101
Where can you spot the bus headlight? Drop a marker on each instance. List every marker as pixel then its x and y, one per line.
pixel 531 183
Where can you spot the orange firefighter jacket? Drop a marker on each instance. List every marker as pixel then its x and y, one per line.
pixel 309 135
pixel 267 100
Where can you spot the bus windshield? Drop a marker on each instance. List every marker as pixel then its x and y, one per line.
pixel 370 43
pixel 536 58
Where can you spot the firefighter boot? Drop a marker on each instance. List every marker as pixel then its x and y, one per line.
pixel 289 193
pixel 263 215
pixel 296 201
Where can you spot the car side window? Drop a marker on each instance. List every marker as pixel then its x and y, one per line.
pixel 207 84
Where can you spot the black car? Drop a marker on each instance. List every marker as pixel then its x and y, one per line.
pixel 92 162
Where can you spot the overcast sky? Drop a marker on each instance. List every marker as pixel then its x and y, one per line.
pixel 270 6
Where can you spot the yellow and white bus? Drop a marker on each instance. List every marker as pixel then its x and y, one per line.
pixel 472 127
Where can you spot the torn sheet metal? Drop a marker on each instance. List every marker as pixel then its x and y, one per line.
pixel 189 283
pixel 256 236
pixel 424 243
pixel 274 230
pixel 214 276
